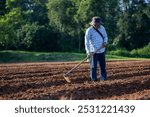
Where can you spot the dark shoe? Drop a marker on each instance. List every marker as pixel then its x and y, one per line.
pixel 94 81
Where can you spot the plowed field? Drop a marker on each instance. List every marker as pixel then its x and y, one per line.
pixel 126 80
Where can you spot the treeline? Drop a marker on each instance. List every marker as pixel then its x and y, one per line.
pixel 59 25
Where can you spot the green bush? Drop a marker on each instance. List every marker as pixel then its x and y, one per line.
pixel 111 47
pixel 120 52
pixel 142 52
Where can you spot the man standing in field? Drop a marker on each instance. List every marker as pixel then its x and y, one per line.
pixel 95 38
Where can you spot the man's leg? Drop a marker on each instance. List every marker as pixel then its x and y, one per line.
pixel 93 67
pixel 102 63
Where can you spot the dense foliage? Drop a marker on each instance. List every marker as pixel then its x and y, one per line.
pixel 59 25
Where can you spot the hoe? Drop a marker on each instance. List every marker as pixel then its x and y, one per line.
pixel 75 67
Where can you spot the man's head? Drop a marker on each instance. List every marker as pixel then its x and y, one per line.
pixel 96 21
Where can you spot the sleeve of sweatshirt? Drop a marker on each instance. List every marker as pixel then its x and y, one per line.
pixel 87 40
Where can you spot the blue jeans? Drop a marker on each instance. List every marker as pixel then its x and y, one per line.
pixel 98 58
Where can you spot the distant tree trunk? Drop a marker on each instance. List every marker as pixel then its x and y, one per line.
pixel 79 38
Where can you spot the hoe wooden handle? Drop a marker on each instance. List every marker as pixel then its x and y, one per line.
pixel 82 62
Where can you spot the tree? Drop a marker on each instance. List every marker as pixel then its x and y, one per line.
pixel 61 17
pixel 19 26
pixel 133 25
pixel 72 17
pixel 31 10
pixel 59 25
pixel 26 35
pixel 8 26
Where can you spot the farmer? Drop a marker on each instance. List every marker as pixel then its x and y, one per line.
pixel 95 38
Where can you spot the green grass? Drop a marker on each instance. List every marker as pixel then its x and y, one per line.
pixel 8 56
pixel 115 57
pixel 24 56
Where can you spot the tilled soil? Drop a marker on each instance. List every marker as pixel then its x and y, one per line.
pixel 44 81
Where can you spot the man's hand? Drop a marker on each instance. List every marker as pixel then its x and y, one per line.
pixel 104 45
pixel 90 54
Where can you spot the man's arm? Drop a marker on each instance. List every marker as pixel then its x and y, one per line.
pixel 87 39
pixel 105 38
